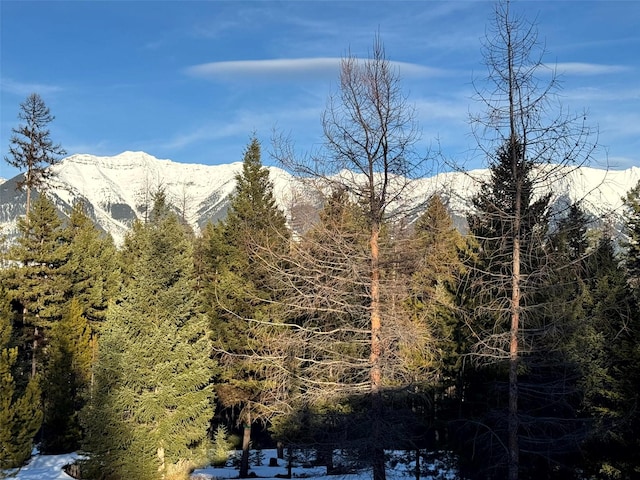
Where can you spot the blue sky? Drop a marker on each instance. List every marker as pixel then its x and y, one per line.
pixel 192 80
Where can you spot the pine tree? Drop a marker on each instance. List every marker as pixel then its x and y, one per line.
pixel 31 147
pixel 152 401
pixel 240 292
pixel 20 411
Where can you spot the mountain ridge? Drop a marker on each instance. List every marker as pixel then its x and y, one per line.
pixel 118 189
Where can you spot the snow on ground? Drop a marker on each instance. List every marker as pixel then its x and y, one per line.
pixel 43 467
pixel 50 467
pixel 398 468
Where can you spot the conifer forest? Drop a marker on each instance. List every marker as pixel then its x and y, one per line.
pixel 510 344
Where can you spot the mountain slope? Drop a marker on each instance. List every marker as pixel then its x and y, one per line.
pixel 118 189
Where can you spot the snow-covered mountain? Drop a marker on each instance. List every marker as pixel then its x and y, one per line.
pixel 118 189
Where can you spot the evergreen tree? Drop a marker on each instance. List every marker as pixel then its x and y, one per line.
pixel 240 291
pixel 92 267
pixel 436 269
pixel 632 231
pixel 67 381
pixel 528 143
pixel 601 340
pixel 152 400
pixel 503 296
pixel 20 411
pixel 441 250
pixel 39 285
pixel 607 350
pixel 31 147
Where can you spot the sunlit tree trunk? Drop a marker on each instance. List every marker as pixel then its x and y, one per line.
pixel 246 444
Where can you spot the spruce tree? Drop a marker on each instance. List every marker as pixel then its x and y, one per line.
pixel 67 380
pixel 441 249
pixel 240 290
pixel 20 411
pixel 529 141
pixel 611 372
pixel 39 284
pixel 508 224
pixel 152 400
pixel 92 267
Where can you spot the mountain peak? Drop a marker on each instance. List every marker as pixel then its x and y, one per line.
pixel 127 159
pixel 118 189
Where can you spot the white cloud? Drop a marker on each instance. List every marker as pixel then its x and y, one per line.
pixel 312 68
pixel 24 88
pixel 597 94
pixel 265 68
pixel 579 68
pixel 243 123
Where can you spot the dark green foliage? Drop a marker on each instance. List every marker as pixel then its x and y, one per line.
pixel 20 411
pixel 92 267
pixel 152 399
pixel 632 243
pixel 239 282
pixel 605 349
pixel 505 298
pixel 67 381
pixel 239 285
pixel 505 210
pixel 43 251
pixel 38 286
pixel 595 330
pixel 438 269
pixel 253 204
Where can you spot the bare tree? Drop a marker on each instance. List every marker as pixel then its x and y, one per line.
pixel 32 149
pixel 529 140
pixel 370 134
pixel 185 200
